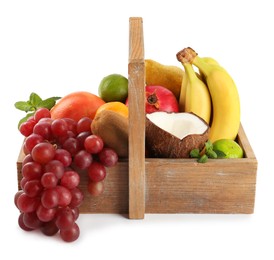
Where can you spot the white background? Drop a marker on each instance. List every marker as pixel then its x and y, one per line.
pixel 56 47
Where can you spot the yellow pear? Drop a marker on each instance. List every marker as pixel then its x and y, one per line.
pixel 168 76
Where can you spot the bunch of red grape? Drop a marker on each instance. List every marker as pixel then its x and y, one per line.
pixel 49 198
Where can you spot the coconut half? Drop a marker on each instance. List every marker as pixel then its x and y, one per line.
pixel 174 135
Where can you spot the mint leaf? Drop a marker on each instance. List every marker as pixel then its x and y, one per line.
pixel 195 153
pixel 211 154
pixel 220 154
pixel 34 99
pixel 203 159
pixel 23 106
pixel 48 103
pixel 208 145
pixel 31 105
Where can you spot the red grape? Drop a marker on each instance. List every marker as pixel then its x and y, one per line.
pixel 96 188
pixel 27 159
pixel 64 196
pixel 32 140
pixel 49 228
pixel 32 170
pixel 81 138
pixel 64 218
pixel 26 128
pixel 44 129
pixel 96 171
pixel 33 188
pixel 71 145
pixel 83 125
pixel 43 153
pixel 50 198
pixel 55 167
pixel 27 204
pixel 70 179
pixel 75 212
pixel 77 197
pixel 108 157
pixel 16 196
pixel 59 127
pixel 41 113
pixel 45 214
pixel 93 144
pixel 49 180
pixel 82 159
pixel 31 220
pixel 71 234
pixel 72 125
pixel 22 224
pixel 63 156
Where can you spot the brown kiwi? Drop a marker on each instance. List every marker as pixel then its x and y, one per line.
pixel 113 129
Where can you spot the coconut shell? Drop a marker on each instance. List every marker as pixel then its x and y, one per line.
pixel 113 129
pixel 162 144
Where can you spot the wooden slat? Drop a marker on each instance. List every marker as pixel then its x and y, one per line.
pixel 185 186
pixel 136 93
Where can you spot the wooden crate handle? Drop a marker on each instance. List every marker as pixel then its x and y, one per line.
pixel 136 94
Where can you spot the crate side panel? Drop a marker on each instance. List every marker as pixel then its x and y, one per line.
pixel 185 186
pixel 115 196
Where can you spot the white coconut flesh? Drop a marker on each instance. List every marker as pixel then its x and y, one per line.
pixel 178 124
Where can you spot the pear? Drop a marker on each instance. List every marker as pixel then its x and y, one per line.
pixel 168 76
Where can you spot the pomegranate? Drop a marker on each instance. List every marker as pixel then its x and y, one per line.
pixel 159 98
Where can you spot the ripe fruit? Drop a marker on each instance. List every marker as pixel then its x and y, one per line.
pixel 93 144
pixel 113 87
pixel 76 106
pixel 174 135
pixel 197 98
pixel 159 98
pixel 170 77
pixel 117 107
pixel 229 148
pixel 112 127
pixel 224 96
pixel 50 197
pixel 43 153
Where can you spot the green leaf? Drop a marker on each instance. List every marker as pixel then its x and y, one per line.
pixel 34 99
pixel 195 153
pixel 203 159
pixel 23 106
pixel 48 103
pixel 211 154
pixel 208 145
pixel 220 154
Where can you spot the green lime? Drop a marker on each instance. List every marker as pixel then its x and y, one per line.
pixel 228 148
pixel 113 87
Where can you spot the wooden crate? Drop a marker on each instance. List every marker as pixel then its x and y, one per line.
pixel 142 185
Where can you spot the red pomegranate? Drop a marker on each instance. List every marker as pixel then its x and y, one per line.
pixel 159 98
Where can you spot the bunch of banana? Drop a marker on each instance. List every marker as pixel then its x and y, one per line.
pixel 221 88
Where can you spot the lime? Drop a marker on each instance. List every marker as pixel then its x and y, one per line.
pixel 228 148
pixel 113 87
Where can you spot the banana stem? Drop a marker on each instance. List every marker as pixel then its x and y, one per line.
pixel 186 55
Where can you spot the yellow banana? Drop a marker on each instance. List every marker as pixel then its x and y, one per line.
pixel 224 96
pixel 210 61
pixel 197 98
pixel 182 97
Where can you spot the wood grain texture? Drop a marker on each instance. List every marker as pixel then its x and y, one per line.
pixel 218 186
pixel 136 93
